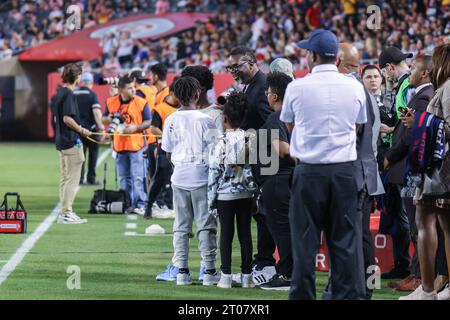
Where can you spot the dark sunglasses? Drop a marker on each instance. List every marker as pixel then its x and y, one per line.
pixel 236 66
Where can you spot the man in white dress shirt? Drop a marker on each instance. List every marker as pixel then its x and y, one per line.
pixel 324 109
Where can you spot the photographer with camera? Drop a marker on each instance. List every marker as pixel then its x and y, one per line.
pixel 129 116
pixel 91 117
pixel 68 142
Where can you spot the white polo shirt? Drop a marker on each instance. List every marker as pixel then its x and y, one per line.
pixel 325 107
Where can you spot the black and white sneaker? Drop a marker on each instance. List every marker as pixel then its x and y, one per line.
pixel 278 282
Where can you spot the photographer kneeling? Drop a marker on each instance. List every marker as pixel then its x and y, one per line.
pixel 130 116
pixel 68 142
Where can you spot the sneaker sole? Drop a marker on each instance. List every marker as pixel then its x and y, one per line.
pixel 159 279
pixel 71 222
pixel 223 286
pixel 209 284
pixel 277 288
pixel 184 283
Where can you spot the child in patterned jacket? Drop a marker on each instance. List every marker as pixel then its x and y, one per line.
pixel 231 188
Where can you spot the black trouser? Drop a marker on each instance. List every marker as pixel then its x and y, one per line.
pixel 364 208
pixel 227 211
pixel 151 159
pixel 92 148
pixel 410 208
pixel 275 198
pixel 161 181
pixel 264 241
pixel 402 238
pixel 324 197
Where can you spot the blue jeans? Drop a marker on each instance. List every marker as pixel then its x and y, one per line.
pixel 131 168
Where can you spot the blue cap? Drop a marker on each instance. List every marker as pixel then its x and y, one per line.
pixel 87 77
pixel 322 42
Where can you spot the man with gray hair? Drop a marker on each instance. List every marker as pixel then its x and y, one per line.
pixel 91 118
pixel 282 65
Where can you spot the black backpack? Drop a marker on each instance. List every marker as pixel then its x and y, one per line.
pixel 110 201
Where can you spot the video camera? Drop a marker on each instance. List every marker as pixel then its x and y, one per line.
pixel 222 99
pixel 114 81
pixel 117 120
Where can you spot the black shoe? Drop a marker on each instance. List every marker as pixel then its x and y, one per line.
pixel 148 213
pixel 395 273
pixel 278 282
pixel 82 183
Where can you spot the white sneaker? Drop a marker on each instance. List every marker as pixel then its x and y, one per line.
pixel 211 279
pixel 184 279
pixel 264 275
pixel 444 294
pixel 225 281
pixel 139 211
pixel 70 218
pixel 237 278
pixel 247 280
pixel 163 213
pixel 420 294
pixel 75 216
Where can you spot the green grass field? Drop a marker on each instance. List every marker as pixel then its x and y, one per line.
pixel 113 266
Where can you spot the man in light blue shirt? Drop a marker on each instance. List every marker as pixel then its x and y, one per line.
pixel 324 109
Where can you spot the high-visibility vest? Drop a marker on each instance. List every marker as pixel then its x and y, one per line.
pixel 132 114
pixel 150 96
pixel 161 95
pixel 164 110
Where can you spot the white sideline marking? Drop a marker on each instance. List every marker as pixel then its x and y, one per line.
pixel 130 233
pixel 131 225
pixel 132 217
pixel 29 242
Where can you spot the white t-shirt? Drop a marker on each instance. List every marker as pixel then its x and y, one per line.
pixel 189 135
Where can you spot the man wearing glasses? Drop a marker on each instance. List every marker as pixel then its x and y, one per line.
pixel 242 66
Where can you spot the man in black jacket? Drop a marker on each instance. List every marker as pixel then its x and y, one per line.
pixel 242 66
pixel 396 156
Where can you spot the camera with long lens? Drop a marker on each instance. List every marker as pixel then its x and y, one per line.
pixel 222 99
pixel 114 81
pixel 116 123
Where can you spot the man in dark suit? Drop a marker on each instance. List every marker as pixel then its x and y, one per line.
pixel 242 66
pixel 395 162
pixel 366 174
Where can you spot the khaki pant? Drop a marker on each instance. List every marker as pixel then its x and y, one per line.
pixel 71 161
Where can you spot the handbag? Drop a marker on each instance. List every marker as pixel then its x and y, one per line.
pixel 437 185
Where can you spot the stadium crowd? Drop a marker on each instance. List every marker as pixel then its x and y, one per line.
pixel 412 26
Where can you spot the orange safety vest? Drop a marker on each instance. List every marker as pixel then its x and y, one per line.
pixel 161 95
pixel 132 114
pixel 149 93
pixel 150 96
pixel 164 110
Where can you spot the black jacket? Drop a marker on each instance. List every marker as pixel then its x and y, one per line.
pixel 259 108
pixel 402 137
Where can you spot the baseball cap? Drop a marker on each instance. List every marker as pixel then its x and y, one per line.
pixel 322 42
pixel 392 55
pixel 86 77
pixel 282 65
pixel 138 74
